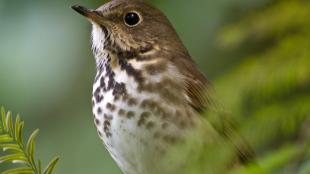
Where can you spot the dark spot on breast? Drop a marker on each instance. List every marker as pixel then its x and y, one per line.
pixel 141 121
pixel 148 104
pixel 111 83
pixel 156 109
pixel 121 112
pixel 99 110
pixel 160 111
pixel 110 74
pixel 132 101
pixel 119 89
pixel 106 128
pixel 170 139
pixel 125 97
pixel 128 54
pixel 97 91
pixel 143 117
pixel 108 134
pixel 168 89
pixel 130 114
pixel 95 52
pixel 150 125
pixel 107 123
pixel 116 98
pixel 97 95
pixel 99 133
pixel 102 84
pixel 104 30
pixel 99 98
pixel 111 107
pixel 97 122
pixel 136 74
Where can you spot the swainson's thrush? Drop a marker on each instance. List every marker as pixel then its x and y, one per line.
pixel 148 93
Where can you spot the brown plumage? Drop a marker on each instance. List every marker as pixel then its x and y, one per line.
pixel 149 91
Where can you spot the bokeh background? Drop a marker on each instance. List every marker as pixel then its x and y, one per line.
pixel 256 53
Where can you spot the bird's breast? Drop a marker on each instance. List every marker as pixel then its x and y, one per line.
pixel 137 124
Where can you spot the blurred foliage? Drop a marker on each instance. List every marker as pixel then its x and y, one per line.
pixel 259 65
pixel 12 142
pixel 269 90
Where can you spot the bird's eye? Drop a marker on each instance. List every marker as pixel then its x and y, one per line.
pixel 132 19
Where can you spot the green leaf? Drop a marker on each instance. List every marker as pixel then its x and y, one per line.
pixel 14 158
pixel 50 167
pixel 3 118
pixel 9 123
pixel 18 130
pixel 5 138
pixel 22 170
pixel 11 147
pixel 31 146
pixel 39 166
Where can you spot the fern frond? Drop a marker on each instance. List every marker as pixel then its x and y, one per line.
pixel 12 143
pixel 50 167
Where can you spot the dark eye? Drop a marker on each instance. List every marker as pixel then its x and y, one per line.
pixel 132 19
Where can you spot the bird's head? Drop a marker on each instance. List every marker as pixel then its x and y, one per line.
pixel 132 27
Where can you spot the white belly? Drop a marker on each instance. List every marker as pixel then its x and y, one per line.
pixel 135 137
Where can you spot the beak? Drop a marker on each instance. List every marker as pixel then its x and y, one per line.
pixel 90 14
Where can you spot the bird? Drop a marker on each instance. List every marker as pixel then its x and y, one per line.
pixel 148 94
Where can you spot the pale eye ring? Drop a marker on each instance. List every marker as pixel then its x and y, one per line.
pixel 132 19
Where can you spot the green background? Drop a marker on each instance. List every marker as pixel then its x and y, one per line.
pixel 47 69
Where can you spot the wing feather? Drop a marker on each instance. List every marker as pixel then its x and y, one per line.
pixel 200 96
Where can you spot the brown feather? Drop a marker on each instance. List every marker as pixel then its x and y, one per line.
pixel 201 97
pixel 197 86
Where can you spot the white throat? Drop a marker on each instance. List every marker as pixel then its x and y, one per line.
pixel 98 41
